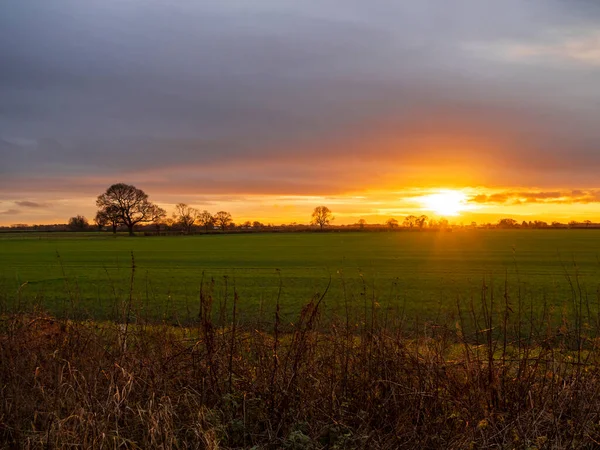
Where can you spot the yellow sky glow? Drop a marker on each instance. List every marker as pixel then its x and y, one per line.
pixel 458 205
pixel 446 202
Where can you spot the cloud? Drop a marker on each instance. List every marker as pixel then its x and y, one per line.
pixel 520 197
pixel 301 98
pixel 567 45
pixel 9 212
pixel 28 204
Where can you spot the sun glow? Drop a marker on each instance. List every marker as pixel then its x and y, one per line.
pixel 445 203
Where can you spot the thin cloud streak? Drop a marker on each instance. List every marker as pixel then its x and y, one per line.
pixel 28 204
pixel 520 197
pixel 555 47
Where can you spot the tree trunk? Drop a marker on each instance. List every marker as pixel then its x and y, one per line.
pixel 130 228
pixel 114 228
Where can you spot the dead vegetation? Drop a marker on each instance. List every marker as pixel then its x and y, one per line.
pixel 363 383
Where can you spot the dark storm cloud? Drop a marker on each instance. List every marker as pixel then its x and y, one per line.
pixel 255 96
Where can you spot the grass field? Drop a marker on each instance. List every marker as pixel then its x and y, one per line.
pixel 519 370
pixel 420 273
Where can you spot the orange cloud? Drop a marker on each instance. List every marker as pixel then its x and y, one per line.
pixel 520 197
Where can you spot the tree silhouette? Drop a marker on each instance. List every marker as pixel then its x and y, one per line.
pixel 421 220
pixel 410 221
pixel 508 223
pixel 205 219
pixel 185 216
pixel 130 204
pixel 392 223
pixel 321 216
pixel 222 219
pixel 108 216
pixel 100 220
pixel 160 222
pixel 78 223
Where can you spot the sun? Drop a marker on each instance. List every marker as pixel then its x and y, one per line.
pixel 445 203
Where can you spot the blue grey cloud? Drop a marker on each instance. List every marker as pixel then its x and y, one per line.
pixel 100 89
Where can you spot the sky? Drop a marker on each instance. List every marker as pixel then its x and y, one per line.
pixel 268 108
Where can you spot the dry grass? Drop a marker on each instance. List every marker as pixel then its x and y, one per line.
pixel 497 380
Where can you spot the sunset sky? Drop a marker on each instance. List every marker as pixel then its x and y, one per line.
pixel 268 108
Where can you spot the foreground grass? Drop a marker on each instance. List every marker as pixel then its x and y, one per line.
pixel 498 364
pixel 368 384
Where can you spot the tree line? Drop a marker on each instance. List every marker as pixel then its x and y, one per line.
pixel 124 205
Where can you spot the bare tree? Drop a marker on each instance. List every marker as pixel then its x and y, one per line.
pixel 421 220
pixel 131 204
pixel 222 219
pixel 78 223
pixel 321 216
pixel 160 223
pixel 185 216
pixel 362 223
pixel 205 219
pixel 392 223
pixel 100 220
pixel 508 223
pixel 108 216
pixel 168 223
pixel 410 221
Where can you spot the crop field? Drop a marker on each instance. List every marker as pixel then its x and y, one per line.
pixel 463 339
pixel 424 274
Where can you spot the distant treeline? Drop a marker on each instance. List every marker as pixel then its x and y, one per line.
pixel 123 207
pixel 253 227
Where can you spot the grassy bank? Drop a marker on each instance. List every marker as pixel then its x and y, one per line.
pixel 512 381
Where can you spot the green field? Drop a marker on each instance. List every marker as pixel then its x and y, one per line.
pixel 422 273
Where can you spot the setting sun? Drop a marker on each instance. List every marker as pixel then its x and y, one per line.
pixel 445 203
